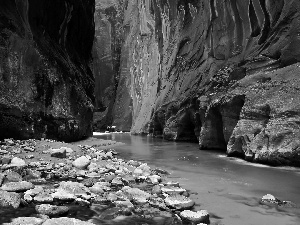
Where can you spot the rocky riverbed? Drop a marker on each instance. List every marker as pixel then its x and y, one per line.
pixel 48 182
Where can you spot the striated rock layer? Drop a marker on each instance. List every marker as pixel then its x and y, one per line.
pixel 46 84
pixel 108 41
pixel 224 73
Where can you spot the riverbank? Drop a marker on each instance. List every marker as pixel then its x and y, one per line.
pixel 48 182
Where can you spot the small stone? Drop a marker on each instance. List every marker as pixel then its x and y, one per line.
pixel 12 176
pixel 17 186
pixel 63 195
pixel 81 162
pixel 28 198
pixel 124 204
pixel 82 202
pixel 17 162
pixel 79 178
pixel 172 190
pixel 29 149
pixel 58 153
pixel 269 198
pixel 10 199
pixel 155 179
pixel 156 189
pixel 201 216
pixel 51 210
pixel 139 196
pixel 138 172
pixel 73 187
pixel 68 150
pixel 117 182
pixel 5 160
pixel 179 202
pixel 2 152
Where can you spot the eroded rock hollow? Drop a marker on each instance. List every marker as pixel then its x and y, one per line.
pixel 46 84
pixel 224 73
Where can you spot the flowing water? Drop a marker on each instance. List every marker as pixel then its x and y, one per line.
pixel 229 188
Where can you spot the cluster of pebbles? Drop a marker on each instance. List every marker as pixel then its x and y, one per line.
pixel 94 180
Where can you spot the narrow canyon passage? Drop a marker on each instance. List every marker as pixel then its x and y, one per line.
pixel 210 88
pixel 228 188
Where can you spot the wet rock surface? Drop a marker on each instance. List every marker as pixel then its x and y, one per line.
pixel 105 190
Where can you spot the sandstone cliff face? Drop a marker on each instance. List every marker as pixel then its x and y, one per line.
pixel 224 73
pixel 46 84
pixel 109 15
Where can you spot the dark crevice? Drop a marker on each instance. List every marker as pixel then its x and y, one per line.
pixel 254 21
pixel 267 23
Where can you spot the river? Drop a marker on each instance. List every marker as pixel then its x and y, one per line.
pixel 229 188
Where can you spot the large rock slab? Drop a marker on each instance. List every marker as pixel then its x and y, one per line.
pixel 25 220
pixel 17 186
pixel 65 221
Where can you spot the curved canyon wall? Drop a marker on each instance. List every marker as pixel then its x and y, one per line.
pixel 46 84
pixel 109 15
pixel 224 73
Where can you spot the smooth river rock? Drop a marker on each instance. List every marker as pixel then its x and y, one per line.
pixel 51 210
pixel 9 199
pixel 81 162
pixel 179 202
pixel 17 186
pixel 66 221
pixel 201 216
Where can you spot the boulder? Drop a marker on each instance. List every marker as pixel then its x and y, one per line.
pixel 62 195
pixel 58 153
pixel 17 186
pixel 201 216
pixel 179 202
pixel 81 162
pixel 51 210
pixel 73 188
pixel 17 162
pixel 43 198
pixel 10 199
pixel 138 195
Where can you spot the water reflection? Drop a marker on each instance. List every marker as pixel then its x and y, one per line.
pixel 229 188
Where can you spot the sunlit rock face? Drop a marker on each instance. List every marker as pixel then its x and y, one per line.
pixel 109 15
pixel 224 73
pixel 46 84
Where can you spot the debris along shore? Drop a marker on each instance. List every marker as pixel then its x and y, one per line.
pixel 48 182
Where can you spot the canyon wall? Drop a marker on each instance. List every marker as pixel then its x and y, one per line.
pixel 224 73
pixel 109 16
pixel 46 84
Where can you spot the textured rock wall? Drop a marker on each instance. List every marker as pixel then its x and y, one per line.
pixel 46 84
pixel 109 15
pixel 224 73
